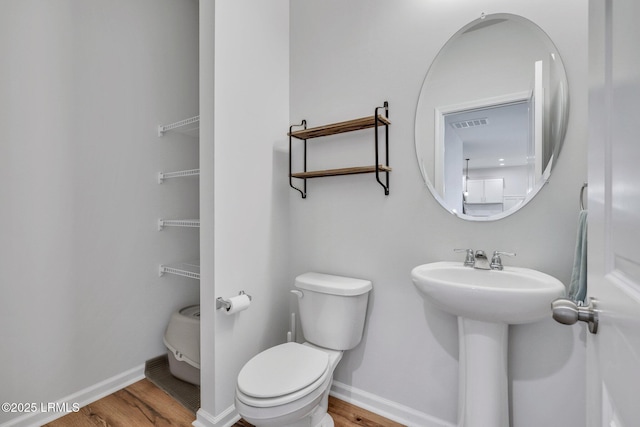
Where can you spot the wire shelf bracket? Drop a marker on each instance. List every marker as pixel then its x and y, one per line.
pixel 177 174
pixel 162 129
pixel 193 223
pixel 191 271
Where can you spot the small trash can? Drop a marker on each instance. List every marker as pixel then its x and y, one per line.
pixel 182 339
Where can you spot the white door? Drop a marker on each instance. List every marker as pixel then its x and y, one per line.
pixel 613 354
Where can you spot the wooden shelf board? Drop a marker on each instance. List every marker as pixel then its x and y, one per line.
pixel 341 171
pixel 341 127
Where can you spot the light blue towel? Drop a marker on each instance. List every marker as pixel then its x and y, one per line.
pixel 578 286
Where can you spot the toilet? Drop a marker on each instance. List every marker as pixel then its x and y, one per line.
pixel 288 385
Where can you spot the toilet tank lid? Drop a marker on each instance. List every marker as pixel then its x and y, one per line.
pixel 334 285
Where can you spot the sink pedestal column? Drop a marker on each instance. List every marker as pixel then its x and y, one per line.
pixel 483 396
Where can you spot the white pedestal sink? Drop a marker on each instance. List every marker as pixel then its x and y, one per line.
pixel 486 303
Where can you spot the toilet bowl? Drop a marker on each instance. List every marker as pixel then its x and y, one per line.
pixel 288 385
pixel 285 384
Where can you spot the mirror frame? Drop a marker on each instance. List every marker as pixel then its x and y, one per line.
pixel 421 135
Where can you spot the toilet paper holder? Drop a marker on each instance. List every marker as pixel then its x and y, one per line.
pixel 221 302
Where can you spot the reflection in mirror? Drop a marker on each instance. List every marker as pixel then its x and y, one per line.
pixel 491 117
pixel 496 146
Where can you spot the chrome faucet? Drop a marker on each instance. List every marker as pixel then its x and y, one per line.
pixel 469 261
pixel 496 261
pixel 481 261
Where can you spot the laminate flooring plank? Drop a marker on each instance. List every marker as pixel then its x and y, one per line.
pixel 141 404
pixel 347 415
pixel 150 396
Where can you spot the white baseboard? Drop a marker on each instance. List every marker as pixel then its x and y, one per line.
pixel 79 399
pixel 384 407
pixel 227 418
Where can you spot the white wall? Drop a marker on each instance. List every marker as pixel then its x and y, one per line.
pixel 83 86
pixel 247 173
pixel 347 58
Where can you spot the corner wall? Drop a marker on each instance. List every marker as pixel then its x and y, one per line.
pixel 347 58
pixel 245 189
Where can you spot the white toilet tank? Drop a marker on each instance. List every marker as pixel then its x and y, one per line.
pixel 332 309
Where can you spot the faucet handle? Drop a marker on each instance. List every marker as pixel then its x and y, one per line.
pixel 469 260
pixel 496 261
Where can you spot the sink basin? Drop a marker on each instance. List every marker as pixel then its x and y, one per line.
pixel 486 302
pixel 514 295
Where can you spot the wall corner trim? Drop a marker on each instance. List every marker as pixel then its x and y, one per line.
pixel 227 418
pixel 384 407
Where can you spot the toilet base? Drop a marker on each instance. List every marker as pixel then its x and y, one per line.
pixel 327 421
pixel 318 417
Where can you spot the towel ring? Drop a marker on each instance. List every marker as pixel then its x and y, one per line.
pixel 585 185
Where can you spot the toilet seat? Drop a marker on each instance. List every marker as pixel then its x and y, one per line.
pixel 285 373
pixel 282 370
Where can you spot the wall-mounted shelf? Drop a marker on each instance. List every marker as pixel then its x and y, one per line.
pixel 193 223
pixel 177 174
pixel 376 121
pixel 190 270
pixel 188 126
pixel 341 127
pixel 341 171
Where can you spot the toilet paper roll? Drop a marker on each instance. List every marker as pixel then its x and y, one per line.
pixel 238 303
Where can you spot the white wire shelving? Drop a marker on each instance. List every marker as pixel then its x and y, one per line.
pixel 193 223
pixel 188 126
pixel 185 269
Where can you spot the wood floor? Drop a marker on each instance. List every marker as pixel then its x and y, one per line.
pixel 142 404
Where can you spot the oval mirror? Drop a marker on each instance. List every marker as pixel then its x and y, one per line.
pixel 491 117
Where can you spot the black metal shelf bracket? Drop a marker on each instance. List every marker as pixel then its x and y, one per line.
pixel 303 191
pixel 377 122
pixel 386 141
